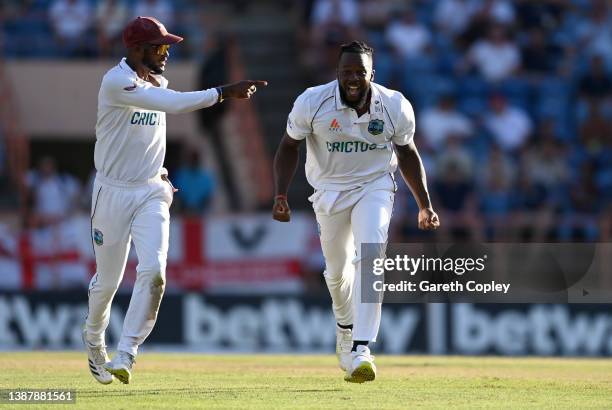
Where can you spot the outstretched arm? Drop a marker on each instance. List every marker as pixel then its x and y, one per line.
pixel 149 97
pixel 413 172
pixel 285 164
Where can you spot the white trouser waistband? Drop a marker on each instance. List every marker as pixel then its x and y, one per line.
pixel 104 180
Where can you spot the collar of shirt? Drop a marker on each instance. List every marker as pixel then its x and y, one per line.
pixel 125 66
pixel 376 105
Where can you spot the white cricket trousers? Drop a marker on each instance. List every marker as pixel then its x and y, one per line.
pixel 364 218
pixel 120 213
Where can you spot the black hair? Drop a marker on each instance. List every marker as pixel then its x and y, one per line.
pixel 358 47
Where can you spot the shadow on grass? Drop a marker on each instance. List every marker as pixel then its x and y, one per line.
pixel 84 393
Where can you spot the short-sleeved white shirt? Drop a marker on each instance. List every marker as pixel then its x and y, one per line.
pixel 345 151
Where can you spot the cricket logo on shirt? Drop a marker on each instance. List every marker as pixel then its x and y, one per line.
pixel 376 127
pixel 98 237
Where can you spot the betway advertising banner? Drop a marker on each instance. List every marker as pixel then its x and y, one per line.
pixel 288 324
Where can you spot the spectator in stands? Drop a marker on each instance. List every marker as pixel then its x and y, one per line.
pixel 195 185
pixel 596 84
pixel 455 156
pixel 594 32
pixel 452 17
pixel 489 14
pixel 542 14
pixel 375 15
pixel 495 203
pixel 509 126
pixel 111 17
pixel 497 164
pixel 443 121
pixel 539 56
pixel 71 21
pixel 579 221
pixel 500 12
pixel 546 162
pixel 52 195
pixel 409 38
pixel 496 57
pixel 343 12
pixel 494 180
pixel 454 189
pixel 596 131
pixel 533 213
pixel 162 10
pixel 333 22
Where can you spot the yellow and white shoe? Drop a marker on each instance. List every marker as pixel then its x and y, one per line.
pixel 344 344
pixel 121 366
pixel 362 367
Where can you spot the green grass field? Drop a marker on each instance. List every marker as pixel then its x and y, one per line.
pixel 189 381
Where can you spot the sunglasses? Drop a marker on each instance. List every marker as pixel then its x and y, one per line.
pixel 159 49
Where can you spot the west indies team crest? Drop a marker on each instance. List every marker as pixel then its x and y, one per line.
pixel 98 237
pixel 376 127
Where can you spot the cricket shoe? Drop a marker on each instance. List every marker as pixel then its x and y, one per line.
pixel 121 366
pixel 96 358
pixel 362 367
pixel 344 344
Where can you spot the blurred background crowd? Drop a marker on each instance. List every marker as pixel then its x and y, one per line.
pixel 513 102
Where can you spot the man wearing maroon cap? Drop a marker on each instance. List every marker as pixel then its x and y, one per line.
pixel 132 193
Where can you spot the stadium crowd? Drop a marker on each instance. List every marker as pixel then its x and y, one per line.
pixel 513 102
pixel 513 98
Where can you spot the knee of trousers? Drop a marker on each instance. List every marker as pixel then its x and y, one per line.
pixel 156 278
pixel 152 267
pixel 335 278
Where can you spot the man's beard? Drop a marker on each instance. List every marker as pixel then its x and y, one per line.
pixel 154 69
pixel 359 103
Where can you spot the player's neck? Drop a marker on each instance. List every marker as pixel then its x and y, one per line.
pixel 140 69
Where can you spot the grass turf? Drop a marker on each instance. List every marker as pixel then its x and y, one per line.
pixel 190 381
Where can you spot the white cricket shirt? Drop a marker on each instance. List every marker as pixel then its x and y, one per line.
pixel 344 151
pixel 131 125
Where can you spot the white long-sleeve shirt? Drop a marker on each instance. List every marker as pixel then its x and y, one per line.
pixel 131 125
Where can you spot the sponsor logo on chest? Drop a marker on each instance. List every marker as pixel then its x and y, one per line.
pixel 146 118
pixel 335 126
pixel 351 146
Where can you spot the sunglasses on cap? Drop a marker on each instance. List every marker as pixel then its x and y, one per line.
pixel 159 49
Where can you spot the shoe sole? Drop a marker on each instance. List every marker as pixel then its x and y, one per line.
pixel 123 375
pixel 102 382
pixel 363 373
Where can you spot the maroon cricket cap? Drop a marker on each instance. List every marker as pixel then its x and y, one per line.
pixel 147 30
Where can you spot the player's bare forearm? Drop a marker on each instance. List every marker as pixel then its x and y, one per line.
pixel 413 172
pixel 285 164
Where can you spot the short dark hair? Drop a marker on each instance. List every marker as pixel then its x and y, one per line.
pixel 358 47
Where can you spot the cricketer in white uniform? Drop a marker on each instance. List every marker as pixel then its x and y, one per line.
pixel 356 132
pixel 132 194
